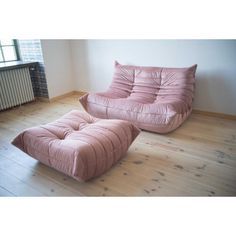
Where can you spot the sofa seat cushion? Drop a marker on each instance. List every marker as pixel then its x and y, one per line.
pixel 78 144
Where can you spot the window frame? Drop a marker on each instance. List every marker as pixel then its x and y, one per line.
pixel 15 45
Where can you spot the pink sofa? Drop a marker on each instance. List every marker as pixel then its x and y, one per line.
pixel 154 98
pixel 78 144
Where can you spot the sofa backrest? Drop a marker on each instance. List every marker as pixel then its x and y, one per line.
pixel 154 84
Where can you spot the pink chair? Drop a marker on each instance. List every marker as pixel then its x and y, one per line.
pixel 156 99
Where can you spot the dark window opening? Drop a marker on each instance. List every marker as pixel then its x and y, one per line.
pixel 9 50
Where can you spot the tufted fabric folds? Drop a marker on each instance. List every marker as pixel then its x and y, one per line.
pixel 154 98
pixel 78 144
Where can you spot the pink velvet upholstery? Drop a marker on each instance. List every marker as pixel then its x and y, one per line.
pixel 78 144
pixel 154 98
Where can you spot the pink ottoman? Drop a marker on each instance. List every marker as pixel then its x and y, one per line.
pixel 78 144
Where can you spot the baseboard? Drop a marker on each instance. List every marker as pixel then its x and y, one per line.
pixel 62 96
pixel 42 99
pixel 79 93
pixel 215 114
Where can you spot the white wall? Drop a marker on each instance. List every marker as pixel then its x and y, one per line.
pixel 216 74
pixel 57 60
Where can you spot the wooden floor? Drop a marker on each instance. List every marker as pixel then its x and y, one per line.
pixel 198 159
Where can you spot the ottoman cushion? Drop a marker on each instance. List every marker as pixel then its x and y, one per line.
pixel 78 144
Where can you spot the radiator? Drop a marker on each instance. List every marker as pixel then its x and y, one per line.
pixel 15 87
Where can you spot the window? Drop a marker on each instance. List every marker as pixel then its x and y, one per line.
pixel 8 50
